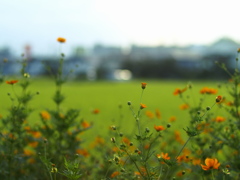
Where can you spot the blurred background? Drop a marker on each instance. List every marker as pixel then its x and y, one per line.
pixel 121 39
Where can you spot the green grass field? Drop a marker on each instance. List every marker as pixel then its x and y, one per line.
pixel 107 96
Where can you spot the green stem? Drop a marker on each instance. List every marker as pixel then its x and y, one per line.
pixel 183 147
pixel 212 175
pixel 160 173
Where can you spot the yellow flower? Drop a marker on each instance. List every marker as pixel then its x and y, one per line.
pixel 210 164
pixel 61 40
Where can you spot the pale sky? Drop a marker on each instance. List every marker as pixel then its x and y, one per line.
pixel 115 22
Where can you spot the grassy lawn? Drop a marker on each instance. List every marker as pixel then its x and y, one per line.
pixel 108 96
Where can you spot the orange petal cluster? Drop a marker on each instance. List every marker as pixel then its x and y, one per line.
pixel 179 91
pixel 207 90
pixel 210 164
pixel 12 82
pixel 220 119
pixel 45 115
pixel 61 40
pixel 142 106
pixel 163 155
pixel 158 128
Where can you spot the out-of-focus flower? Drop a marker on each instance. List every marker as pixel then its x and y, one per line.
pixel 149 114
pixel 142 106
pixel 143 85
pixel 33 144
pixel 158 128
pixel 172 119
pixel 45 115
pixel 61 40
pixel 218 99
pixel 158 113
pixel 82 152
pixel 114 174
pixel 207 90
pixel 85 124
pixel 178 91
pixel 96 111
pixel 184 106
pixel 12 82
pixel 220 119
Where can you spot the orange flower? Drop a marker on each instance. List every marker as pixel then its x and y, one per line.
pixel 179 91
pixel 45 115
pixel 114 174
pixel 96 111
pixel 12 82
pixel 142 106
pixel 220 119
pixel 172 119
pixel 184 106
pixel 218 99
pixel 158 128
pixel 158 114
pixel 163 156
pixel 61 40
pixel 178 137
pixel 210 164
pixel 33 144
pixel 85 124
pixel 207 90
pixel 36 134
pixel 27 128
pixel 143 85
pixel 28 152
pixel 83 152
pixel 196 161
pixel 149 114
pixel 126 140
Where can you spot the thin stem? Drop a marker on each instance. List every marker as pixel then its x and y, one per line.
pixel 134 163
pixel 107 171
pixel 160 173
pixel 141 96
pixel 183 147
pixel 167 173
pixel 212 175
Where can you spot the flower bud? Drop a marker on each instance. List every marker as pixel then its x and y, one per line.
pixel 218 99
pixel 113 139
pixel 143 85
